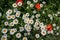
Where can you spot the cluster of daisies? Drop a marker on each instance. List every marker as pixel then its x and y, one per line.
pixel 31 22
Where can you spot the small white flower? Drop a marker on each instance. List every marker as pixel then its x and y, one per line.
pixel 13 16
pixel 30 21
pixel 18 13
pixel 26 20
pixel 14 5
pixel 50 32
pixel 29 33
pixel 57 33
pixel 4 37
pixel 31 5
pixel 15 10
pixel 43 12
pixel 49 15
pixel 9 12
pixel 41 5
pixel 0 14
pixel 44 2
pixel 54 28
pixel 41 24
pixel 37 35
pixel 4 30
pixel 35 1
pixel 28 2
pixel 25 34
pixel 11 24
pixel 8 17
pixel 6 23
pixel 15 21
pixel 27 27
pixel 58 12
pixel 32 17
pixel 19 4
pixel 27 14
pixel 21 29
pixel 54 24
pixel 34 11
pixel 18 35
pixel 37 15
pixel 24 38
pixel 51 18
pixel 43 32
pixel 57 27
pixel 12 31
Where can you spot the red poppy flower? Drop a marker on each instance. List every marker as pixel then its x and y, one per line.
pixel 19 1
pixel 37 6
pixel 49 27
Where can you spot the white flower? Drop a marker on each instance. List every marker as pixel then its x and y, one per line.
pixel 8 17
pixel 28 2
pixel 17 13
pixel 57 33
pixel 51 18
pixel 50 32
pixel 24 38
pixel 29 33
pixel 54 24
pixel 54 28
pixel 49 15
pixel 43 27
pixel 37 35
pixel 35 1
pixel 0 14
pixel 57 27
pixel 43 32
pixel 43 12
pixel 4 37
pixel 26 20
pixel 9 12
pixel 6 23
pixel 4 30
pixel 37 15
pixel 27 27
pixel 41 24
pixel 31 5
pixel 44 2
pixel 27 14
pixel 25 34
pixel 34 11
pixel 13 16
pixel 12 31
pixel 21 29
pixel 14 5
pixel 41 5
pixel 32 17
pixel 58 12
pixel 15 10
pixel 18 35
pixel 19 4
pixel 11 24
pixel 30 21
pixel 15 21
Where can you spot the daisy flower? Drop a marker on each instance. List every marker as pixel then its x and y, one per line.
pixel 28 2
pixel 30 21
pixel 54 24
pixel 43 32
pixel 31 5
pixel 12 31
pixel 18 35
pixel 41 5
pixel 37 15
pixel 19 3
pixel 9 12
pixel 15 9
pixel 21 29
pixel 37 35
pixel 44 2
pixel 12 16
pixel 4 30
pixel 4 37
pixel 8 17
pixel 17 13
pixel 14 5
pixel 24 38
pixel 11 24
pixel 35 1
pixel 15 21
pixel 34 11
pixel 27 14
pixel 6 23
